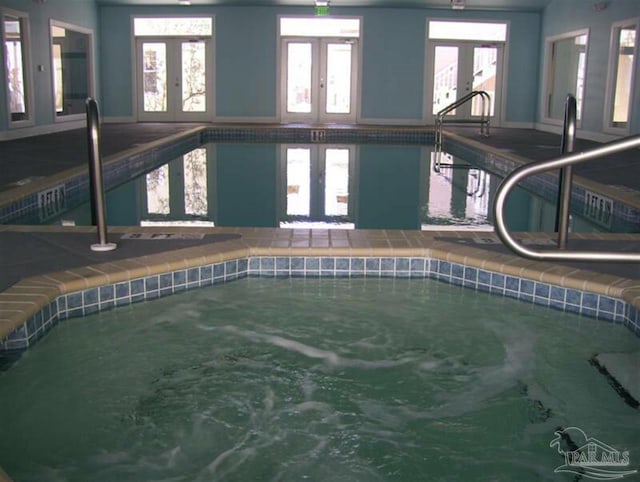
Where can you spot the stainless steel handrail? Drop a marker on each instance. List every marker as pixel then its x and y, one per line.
pixel 484 121
pixel 512 180
pixel 98 216
pixel 566 174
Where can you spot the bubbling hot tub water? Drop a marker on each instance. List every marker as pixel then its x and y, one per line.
pixel 308 379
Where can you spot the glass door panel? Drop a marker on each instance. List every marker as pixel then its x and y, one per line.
pixel 445 77
pixel 173 80
pixel 485 61
pixel 298 182
pixel 299 69
pixel 154 76
pixel 338 78
pixel 194 76
pixel 336 193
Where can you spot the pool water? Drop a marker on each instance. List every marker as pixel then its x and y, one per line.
pixel 367 186
pixel 307 379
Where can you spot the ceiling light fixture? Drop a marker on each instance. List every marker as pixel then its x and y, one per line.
pixel 184 2
pixel 457 4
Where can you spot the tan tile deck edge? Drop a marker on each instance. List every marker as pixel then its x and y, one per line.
pixel 98 275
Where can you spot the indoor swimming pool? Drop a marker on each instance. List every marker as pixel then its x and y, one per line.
pixel 309 379
pixel 363 186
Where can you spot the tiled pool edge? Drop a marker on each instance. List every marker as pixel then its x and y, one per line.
pixel 254 263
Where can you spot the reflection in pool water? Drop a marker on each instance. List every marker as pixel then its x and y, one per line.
pixel 366 186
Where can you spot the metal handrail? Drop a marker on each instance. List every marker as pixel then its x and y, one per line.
pixel 485 119
pixel 96 185
pixel 537 167
pixel 566 174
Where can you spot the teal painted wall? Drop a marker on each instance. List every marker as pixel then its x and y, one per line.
pixel 246 74
pixel 246 53
pixel 82 13
pixel 393 63
pixel 562 16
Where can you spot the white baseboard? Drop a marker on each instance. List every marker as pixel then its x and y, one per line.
pixel 246 120
pixel 580 134
pixel 517 125
pixel 41 130
pixel 393 122
pixel 119 120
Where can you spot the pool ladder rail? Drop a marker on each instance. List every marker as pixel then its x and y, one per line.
pixel 96 184
pixel 565 163
pixel 484 120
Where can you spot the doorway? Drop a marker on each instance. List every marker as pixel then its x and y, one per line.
pixel 173 79
pixel 319 69
pixel 463 56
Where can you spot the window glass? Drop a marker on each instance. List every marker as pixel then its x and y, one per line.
pixel 71 66
pixel 625 39
pixel 320 27
pixel 173 27
pixel 566 70
pixel 15 53
pixel 444 30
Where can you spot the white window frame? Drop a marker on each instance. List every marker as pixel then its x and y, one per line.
pixel 91 70
pixel 546 71
pixel 612 78
pixel 211 99
pixel 26 58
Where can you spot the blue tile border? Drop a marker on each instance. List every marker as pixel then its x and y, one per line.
pixel 106 297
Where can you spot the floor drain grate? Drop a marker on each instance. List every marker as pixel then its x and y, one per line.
pixel 161 236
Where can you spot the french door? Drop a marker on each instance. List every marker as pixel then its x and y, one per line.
pixel 318 81
pixel 174 79
pixel 457 68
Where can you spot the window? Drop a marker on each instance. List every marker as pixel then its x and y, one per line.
pixel 173 27
pixel 566 58
pixel 15 32
pixel 72 69
pixel 488 32
pixel 624 44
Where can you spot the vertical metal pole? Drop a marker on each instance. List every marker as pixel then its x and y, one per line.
pixel 95 177
pixel 566 173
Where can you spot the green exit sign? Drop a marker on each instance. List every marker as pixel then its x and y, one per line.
pixel 322 10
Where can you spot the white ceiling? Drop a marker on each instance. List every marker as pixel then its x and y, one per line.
pixel 505 5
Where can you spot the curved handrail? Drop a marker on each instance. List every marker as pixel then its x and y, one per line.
pixel 522 172
pixel 485 118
